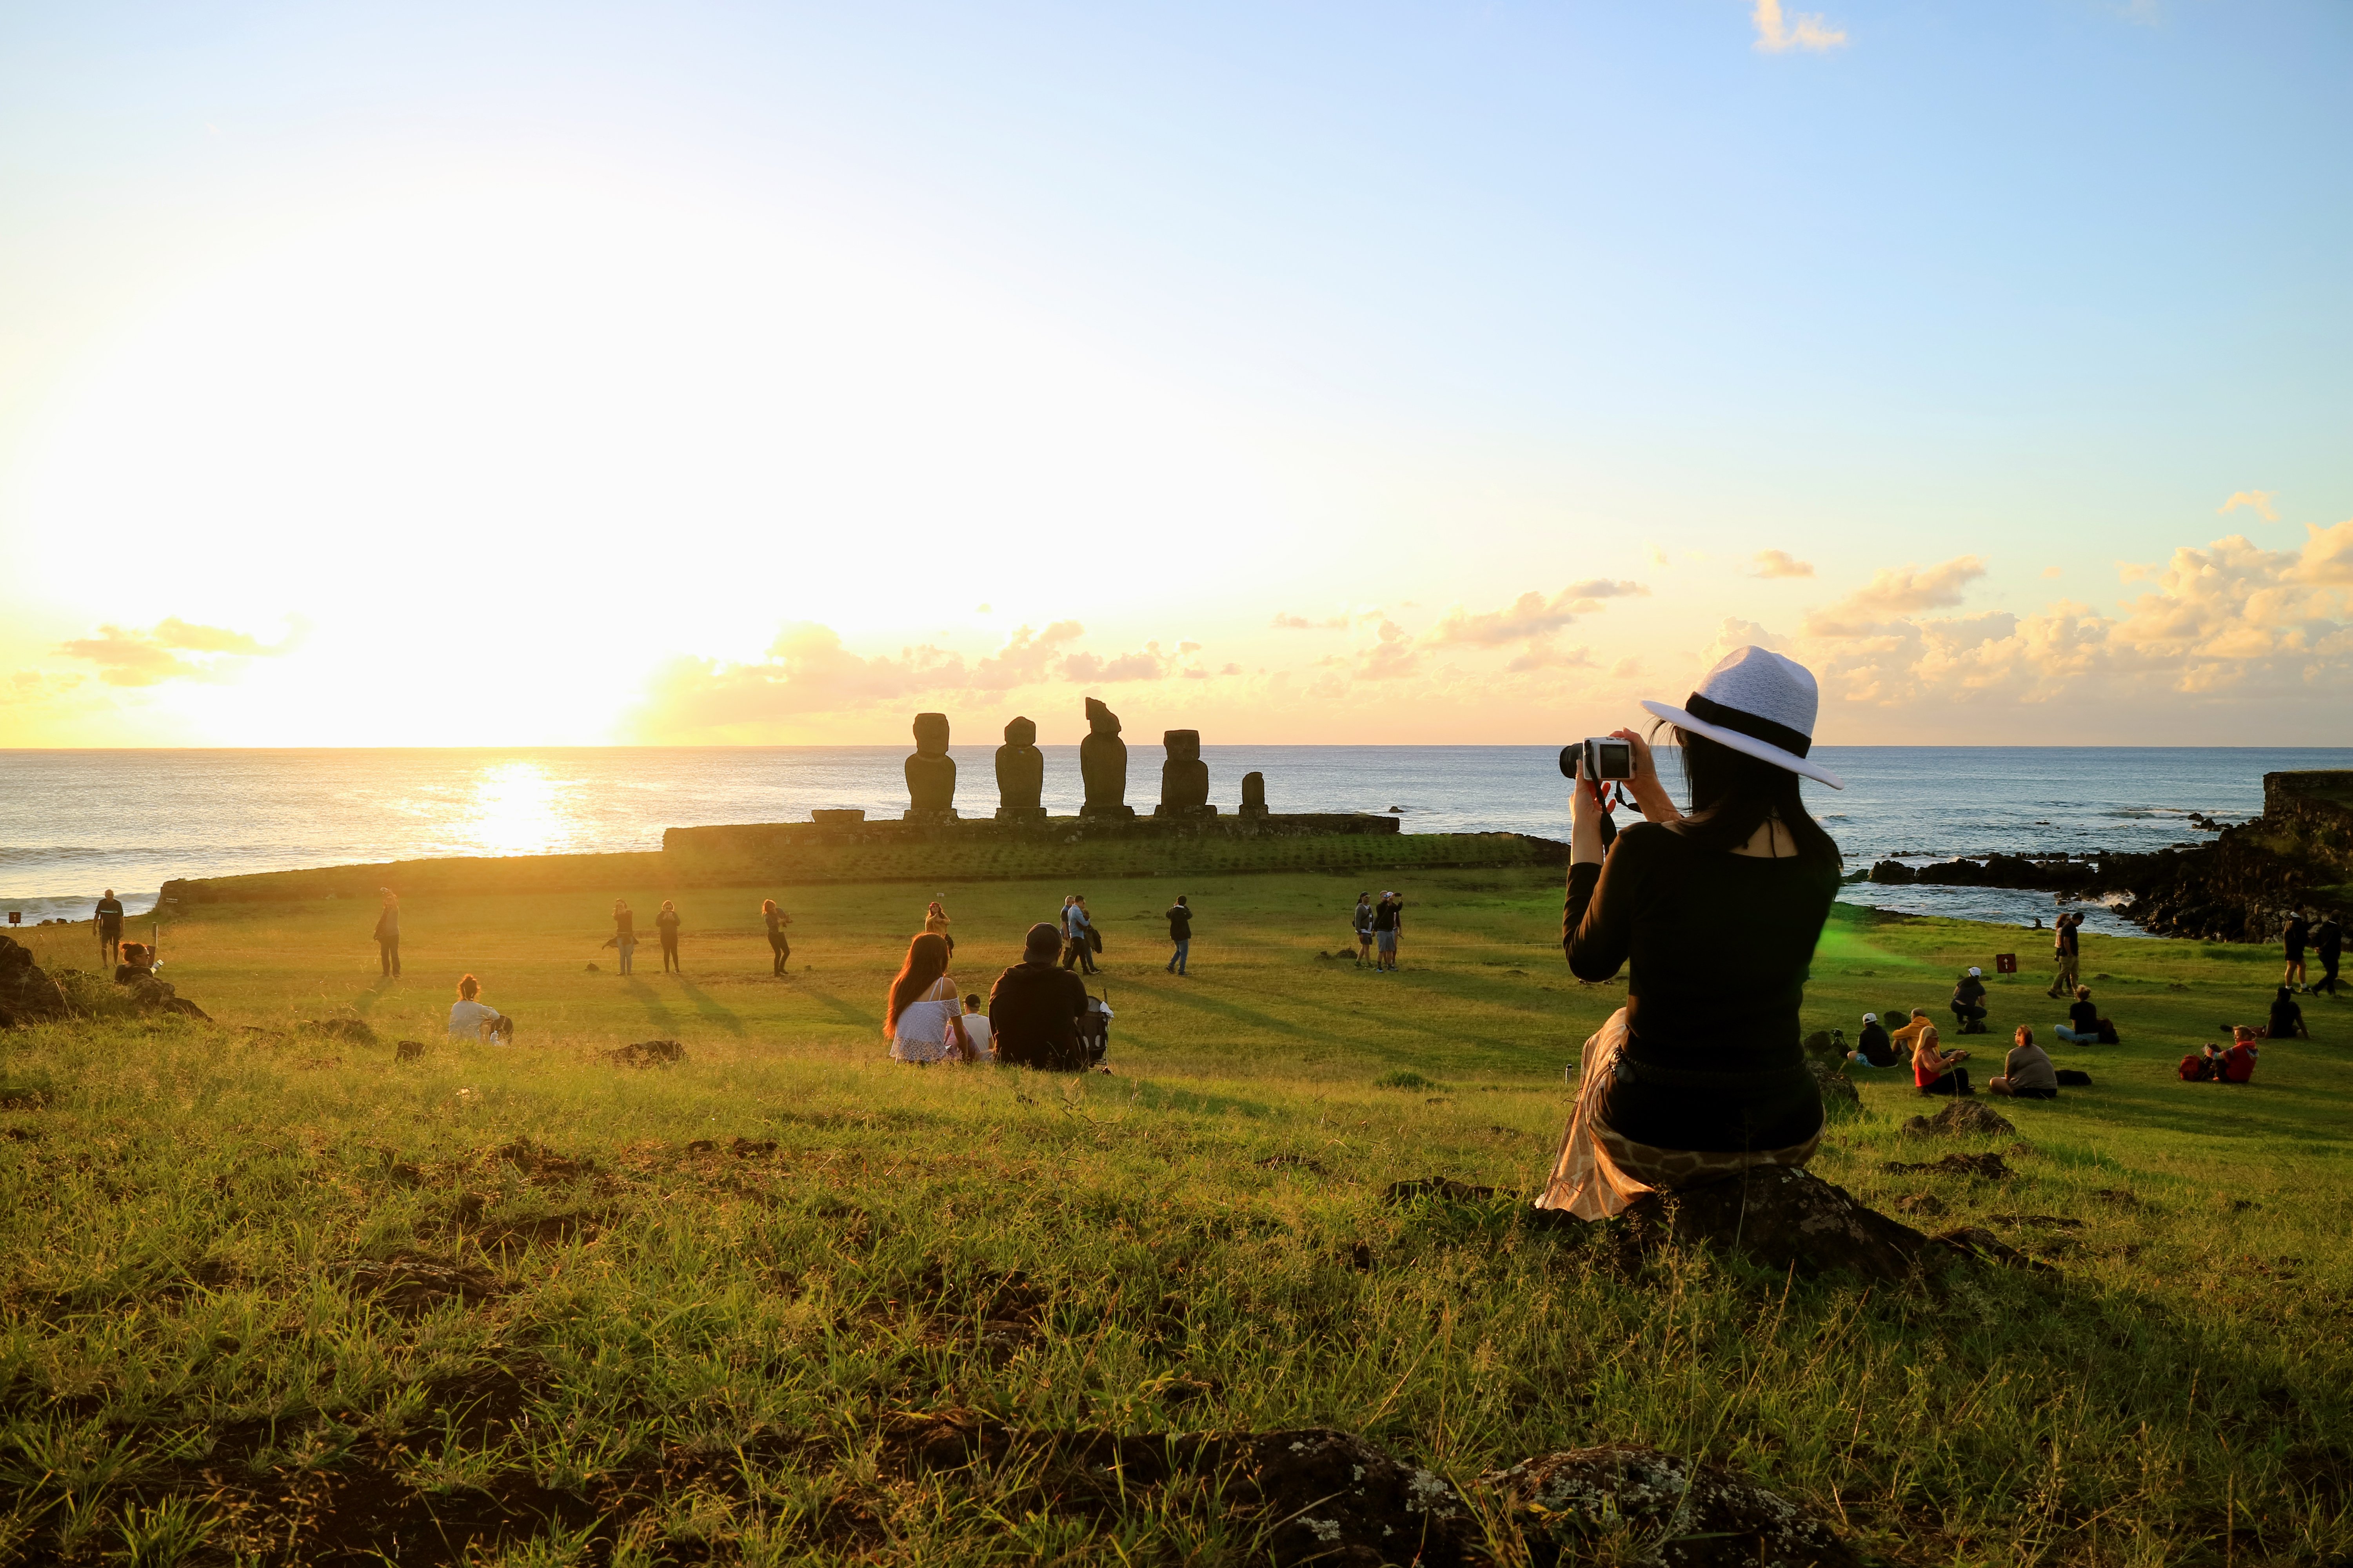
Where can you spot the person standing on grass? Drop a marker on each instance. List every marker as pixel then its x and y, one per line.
pixel 2066 950
pixel 387 935
pixel 666 927
pixel 1035 1006
pixel 1180 932
pixel 936 923
pixel 2297 931
pixel 2026 1072
pixel 1388 920
pixel 775 920
pixel 2328 946
pixel 107 920
pixel 1363 922
pixel 625 932
pixel 1078 935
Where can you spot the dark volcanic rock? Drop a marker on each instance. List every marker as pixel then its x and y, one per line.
pixel 1782 1217
pixel 1688 1515
pixel 27 994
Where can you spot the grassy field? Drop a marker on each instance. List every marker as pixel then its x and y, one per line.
pixel 268 1295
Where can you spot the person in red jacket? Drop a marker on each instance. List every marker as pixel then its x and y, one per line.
pixel 2237 1064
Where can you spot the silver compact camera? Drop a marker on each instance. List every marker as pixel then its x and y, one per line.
pixel 1599 758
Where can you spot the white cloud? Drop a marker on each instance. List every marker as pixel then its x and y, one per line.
pixel 1781 563
pixel 1901 592
pixel 1805 30
pixel 2257 501
pixel 172 649
pixel 1531 615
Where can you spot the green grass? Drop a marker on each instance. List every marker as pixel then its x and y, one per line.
pixel 265 1294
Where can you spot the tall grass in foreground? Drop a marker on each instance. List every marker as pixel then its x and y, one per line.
pixel 257 1298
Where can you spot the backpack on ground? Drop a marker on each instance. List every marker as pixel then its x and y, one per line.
pixel 2076 1077
pixel 2109 1033
pixel 1094 1028
pixel 2196 1069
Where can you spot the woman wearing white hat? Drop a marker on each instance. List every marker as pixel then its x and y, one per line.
pixel 1715 913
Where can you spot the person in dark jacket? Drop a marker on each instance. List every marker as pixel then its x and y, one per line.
pixel 108 918
pixel 1968 1002
pixel 387 935
pixel 1701 1074
pixel 2328 946
pixel 1872 1048
pixel 2286 1022
pixel 1180 932
pixel 2292 943
pixel 1035 1006
pixel 666 927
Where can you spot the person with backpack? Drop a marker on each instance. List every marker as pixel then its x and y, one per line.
pixel 1180 932
pixel 2083 1025
pixel 2027 1072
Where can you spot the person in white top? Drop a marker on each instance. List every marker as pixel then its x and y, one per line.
pixel 925 1020
pixel 471 1019
pixel 976 1031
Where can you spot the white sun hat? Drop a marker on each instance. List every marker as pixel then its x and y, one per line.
pixel 1759 702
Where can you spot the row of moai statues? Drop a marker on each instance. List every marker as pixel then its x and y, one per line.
pixel 1103 764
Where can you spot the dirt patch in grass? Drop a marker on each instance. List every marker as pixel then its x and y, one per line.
pixel 412 1282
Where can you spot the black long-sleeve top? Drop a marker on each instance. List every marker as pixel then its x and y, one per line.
pixel 1716 947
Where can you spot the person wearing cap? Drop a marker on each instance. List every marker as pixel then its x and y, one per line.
pixel 1872 1048
pixel 1700 1075
pixel 1969 1003
pixel 1388 920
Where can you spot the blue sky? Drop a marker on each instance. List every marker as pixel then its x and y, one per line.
pixel 1167 322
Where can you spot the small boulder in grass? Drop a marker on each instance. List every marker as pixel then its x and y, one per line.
pixel 647 1053
pixel 408 1050
pixel 1963 1118
pixel 1624 1504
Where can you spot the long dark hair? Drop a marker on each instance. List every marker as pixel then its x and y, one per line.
pixel 927 960
pixel 1733 794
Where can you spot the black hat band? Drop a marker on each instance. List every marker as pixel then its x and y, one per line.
pixel 1791 741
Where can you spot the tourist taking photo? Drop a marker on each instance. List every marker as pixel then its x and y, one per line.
pixel 1701 1074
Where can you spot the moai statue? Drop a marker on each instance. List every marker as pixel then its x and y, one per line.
pixel 931 771
pixel 1184 777
pixel 1254 795
pixel 1103 762
pixel 1020 774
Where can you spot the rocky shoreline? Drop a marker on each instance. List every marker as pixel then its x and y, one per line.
pixel 2298 855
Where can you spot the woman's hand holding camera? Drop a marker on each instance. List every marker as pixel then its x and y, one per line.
pixel 1650 796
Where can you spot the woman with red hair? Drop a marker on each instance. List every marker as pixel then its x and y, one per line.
pixel 925 1019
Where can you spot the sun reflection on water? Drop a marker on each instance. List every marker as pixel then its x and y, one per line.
pixel 518 810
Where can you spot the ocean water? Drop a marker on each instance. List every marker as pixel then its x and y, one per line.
pixel 75 823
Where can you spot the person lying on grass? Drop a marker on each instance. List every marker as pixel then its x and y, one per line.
pixel 1703 1073
pixel 2026 1072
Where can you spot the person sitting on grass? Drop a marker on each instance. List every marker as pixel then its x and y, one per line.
pixel 2026 1072
pixel 138 963
pixel 2237 1064
pixel 1968 1002
pixel 1936 1070
pixel 2083 1025
pixel 977 1032
pixel 2286 1022
pixel 1872 1048
pixel 924 1019
pixel 1906 1038
pixel 471 1018
pixel 1035 1006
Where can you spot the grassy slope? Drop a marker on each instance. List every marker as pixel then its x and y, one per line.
pixel 176 1238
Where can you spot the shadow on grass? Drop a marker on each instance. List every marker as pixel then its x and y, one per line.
pixel 1151 1096
pixel 707 1010
pixel 659 1015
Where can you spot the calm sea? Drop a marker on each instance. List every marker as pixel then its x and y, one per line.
pixel 74 822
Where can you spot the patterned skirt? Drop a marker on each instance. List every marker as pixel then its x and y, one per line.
pixel 1597 1172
